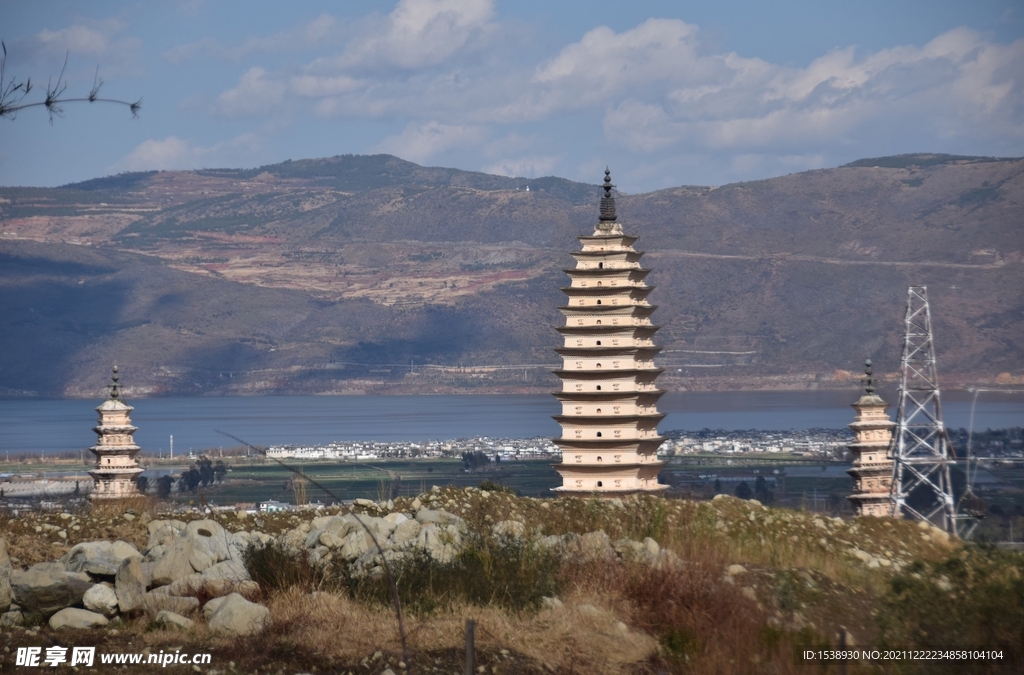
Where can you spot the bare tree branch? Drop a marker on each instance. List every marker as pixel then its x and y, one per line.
pixel 13 93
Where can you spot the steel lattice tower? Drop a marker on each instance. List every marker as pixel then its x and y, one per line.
pixel 921 450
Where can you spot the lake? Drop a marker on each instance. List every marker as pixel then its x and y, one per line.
pixel 66 425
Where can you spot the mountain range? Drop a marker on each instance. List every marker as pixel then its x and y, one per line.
pixel 372 274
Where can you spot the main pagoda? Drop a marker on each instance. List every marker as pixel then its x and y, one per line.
pixel 609 400
pixel 872 461
pixel 115 450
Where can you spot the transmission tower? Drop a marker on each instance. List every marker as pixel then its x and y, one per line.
pixel 922 453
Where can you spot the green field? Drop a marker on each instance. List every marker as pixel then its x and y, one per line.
pixel 261 479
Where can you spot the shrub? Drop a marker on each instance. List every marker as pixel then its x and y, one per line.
pixel 275 566
pixel 973 598
pixel 507 572
pixel 489 485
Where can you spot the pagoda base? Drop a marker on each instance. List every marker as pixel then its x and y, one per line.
pixel 114 484
pixel 601 493
pixel 872 504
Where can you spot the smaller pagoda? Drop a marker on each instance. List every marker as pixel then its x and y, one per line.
pixel 116 468
pixel 872 461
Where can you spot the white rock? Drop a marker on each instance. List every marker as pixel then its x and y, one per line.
pixel 72 617
pixel 101 598
pixel 238 616
pixel 171 620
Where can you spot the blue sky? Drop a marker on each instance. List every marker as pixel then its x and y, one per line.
pixel 666 93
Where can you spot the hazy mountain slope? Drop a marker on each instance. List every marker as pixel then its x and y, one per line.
pixel 347 273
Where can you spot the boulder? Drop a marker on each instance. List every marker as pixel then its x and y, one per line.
pixel 237 616
pixel 396 518
pixel 211 533
pixel 73 617
pixel 193 584
pixel 156 601
pixel 99 558
pixel 163 532
pixel 175 562
pixel 5 577
pixel 130 585
pixel 186 585
pixel 406 531
pixel 11 619
pixel 595 545
pixel 441 542
pixel 203 554
pixel 356 544
pixel 427 516
pixel 101 598
pixel 47 588
pixel 328 539
pixel 211 606
pixel 508 528
pixel 168 619
pixel 232 570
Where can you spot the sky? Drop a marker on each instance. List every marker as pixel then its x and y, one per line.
pixel 665 93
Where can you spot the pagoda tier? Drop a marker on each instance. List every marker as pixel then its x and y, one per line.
pixel 609 417
pixel 872 462
pixel 115 450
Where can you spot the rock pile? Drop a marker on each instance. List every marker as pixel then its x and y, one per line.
pixel 97 581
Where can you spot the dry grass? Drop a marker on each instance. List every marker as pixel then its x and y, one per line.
pixel 568 639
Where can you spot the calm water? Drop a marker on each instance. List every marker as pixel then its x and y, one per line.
pixel 65 425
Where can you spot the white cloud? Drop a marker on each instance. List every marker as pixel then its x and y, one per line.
pixel 526 167
pixel 653 90
pixel 173 153
pixel 418 142
pixel 79 39
pixel 416 34
pixel 97 40
pixel 255 94
pixel 957 81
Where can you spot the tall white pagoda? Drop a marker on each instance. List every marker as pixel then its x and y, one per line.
pixel 872 461
pixel 115 450
pixel 609 400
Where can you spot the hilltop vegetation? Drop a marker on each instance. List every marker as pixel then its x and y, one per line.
pixel 305 276
pixel 640 585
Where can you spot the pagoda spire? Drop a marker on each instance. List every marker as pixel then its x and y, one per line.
pixel 115 391
pixel 869 381
pixel 608 201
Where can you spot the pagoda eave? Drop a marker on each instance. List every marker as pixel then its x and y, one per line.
pixel 608 467
pixel 623 310
pixel 604 374
pixel 601 493
pixel 625 350
pixel 611 443
pixel 606 395
pixel 114 471
pixel 605 237
pixel 608 419
pixel 605 254
pixel 574 291
pixel 606 271
pixel 588 330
